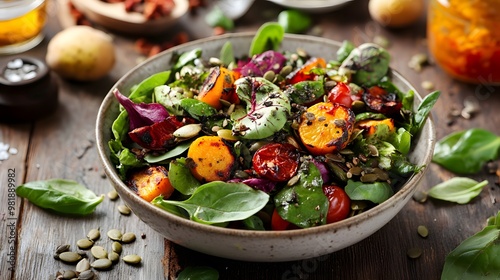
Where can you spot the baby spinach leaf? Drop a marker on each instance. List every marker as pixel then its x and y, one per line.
pixel 402 141
pixel 458 189
pixel 306 91
pixel 144 90
pixel 267 108
pixel 181 178
pixel 344 50
pixel 253 223
pixel 176 151
pixel 423 111
pixel 294 21
pixel 467 151
pixel 477 256
pixel 304 204
pixel 370 115
pixel 377 192
pixel 172 209
pixel 268 37
pixel 186 58
pixel 197 109
pixel 198 273
pixel 60 195
pixel 227 54
pixel 219 202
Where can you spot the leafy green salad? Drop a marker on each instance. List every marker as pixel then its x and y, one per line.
pixel 274 140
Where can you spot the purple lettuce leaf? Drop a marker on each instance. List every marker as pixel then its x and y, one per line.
pixel 142 114
pixel 260 64
pixel 264 185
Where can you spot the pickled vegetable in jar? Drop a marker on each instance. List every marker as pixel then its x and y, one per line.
pixel 464 38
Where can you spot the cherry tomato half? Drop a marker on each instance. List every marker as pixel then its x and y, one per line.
pixel 277 223
pixel 381 101
pixel 341 94
pixel 276 161
pixel 340 203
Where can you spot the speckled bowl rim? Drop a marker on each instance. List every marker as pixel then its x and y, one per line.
pixel 406 190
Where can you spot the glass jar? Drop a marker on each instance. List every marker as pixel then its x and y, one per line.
pixel 21 24
pixel 464 38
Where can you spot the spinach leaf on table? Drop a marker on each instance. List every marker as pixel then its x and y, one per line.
pixel 467 151
pixel 198 273
pixel 60 195
pixel 458 189
pixel 477 256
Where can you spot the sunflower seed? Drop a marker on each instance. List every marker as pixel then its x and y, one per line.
pixel 69 257
pixel 373 150
pixel 132 259
pixel 116 247
pixel 62 248
pixel 101 264
pixel 226 134
pixel 124 210
pixel 128 237
pixel 113 257
pixel 113 195
pixel 84 243
pixel 293 180
pixel 94 234
pixel 115 234
pixel 99 252
pixel 188 131
pixel 82 265
pixel 86 275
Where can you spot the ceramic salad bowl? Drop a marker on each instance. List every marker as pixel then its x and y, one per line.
pixel 253 245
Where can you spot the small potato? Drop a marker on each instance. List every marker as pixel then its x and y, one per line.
pixel 81 53
pixel 396 13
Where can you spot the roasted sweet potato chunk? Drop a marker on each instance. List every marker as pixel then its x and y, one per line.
pixel 210 159
pixel 151 182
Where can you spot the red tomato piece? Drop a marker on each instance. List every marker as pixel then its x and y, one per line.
pixel 340 203
pixel 277 223
pixel 341 94
pixel 276 161
pixel 381 101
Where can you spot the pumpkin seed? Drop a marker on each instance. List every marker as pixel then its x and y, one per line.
pixel 101 264
pixel 113 257
pixel 414 252
pixel 86 275
pixel 128 237
pixel 69 257
pixel 188 131
pixel 231 108
pixel 84 243
pixel 381 174
pixel 113 195
pixel 335 157
pixel 287 69
pixel 346 152
pixel 373 150
pixel 132 259
pixel 420 196
pixel 62 248
pixel 293 180
pixel 358 105
pixel 94 234
pixel 226 134
pixel 124 210
pixel 69 274
pixel 82 265
pixel 99 252
pixel 225 103
pixel 337 171
pixel 115 234
pixel 339 122
pixel 116 247
pixel 368 178
pixel 355 170
pixel 427 85
pixel 422 231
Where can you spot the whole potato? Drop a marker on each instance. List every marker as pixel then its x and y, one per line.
pixel 395 13
pixel 81 53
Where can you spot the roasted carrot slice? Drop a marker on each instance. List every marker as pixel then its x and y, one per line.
pixel 210 159
pixel 371 127
pixel 151 182
pixel 326 128
pixel 218 85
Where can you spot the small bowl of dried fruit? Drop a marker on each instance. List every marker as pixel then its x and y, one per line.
pixel 293 148
pixel 133 17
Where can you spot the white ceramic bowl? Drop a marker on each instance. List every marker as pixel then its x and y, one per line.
pixel 312 6
pixel 264 246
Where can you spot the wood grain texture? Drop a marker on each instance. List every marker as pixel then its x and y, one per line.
pixel 61 146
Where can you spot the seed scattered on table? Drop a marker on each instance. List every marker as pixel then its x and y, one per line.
pixel 128 237
pixel 69 274
pixel 422 231
pixel 427 85
pixel 86 275
pixel 94 234
pixel 101 264
pixel 84 243
pixel 69 257
pixel 414 252
pixel 116 247
pixel 113 195
pixel 420 196
pixel 114 257
pixel 82 265
pixel 123 209
pixel 62 248
pixel 99 252
pixel 132 259
pixel 115 234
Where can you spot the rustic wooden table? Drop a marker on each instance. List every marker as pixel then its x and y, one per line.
pixel 63 146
